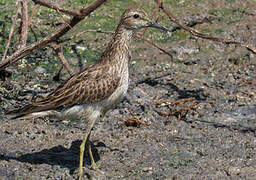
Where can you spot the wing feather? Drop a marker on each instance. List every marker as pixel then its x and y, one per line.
pixel 91 85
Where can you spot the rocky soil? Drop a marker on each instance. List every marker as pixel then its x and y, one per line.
pixel 195 117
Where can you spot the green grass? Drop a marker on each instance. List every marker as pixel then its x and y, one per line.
pixel 176 3
pixel 105 18
pixel 231 16
pixel 165 38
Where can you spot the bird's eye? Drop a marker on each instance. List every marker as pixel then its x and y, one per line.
pixel 136 16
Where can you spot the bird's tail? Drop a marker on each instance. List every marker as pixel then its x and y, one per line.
pixel 29 111
pixel 24 116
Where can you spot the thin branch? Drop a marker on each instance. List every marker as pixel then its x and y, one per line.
pixel 201 35
pixel 12 29
pixel 57 76
pixel 135 121
pixel 38 28
pixel 248 82
pixel 52 6
pixel 59 53
pixel 155 45
pixel 32 14
pixel 24 21
pixel 51 37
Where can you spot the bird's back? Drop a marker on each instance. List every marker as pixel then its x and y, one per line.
pixel 91 85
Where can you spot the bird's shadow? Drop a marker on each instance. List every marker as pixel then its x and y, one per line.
pixel 198 94
pixel 58 155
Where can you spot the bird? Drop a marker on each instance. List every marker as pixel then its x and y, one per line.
pixel 89 94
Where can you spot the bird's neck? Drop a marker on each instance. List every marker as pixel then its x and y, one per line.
pixel 117 50
pixel 122 35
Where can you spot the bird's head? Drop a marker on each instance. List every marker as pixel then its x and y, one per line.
pixel 135 19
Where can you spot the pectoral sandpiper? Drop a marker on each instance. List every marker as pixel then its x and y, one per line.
pixel 88 95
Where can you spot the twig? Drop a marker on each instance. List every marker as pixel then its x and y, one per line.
pixel 52 6
pixel 248 82
pixel 59 53
pixel 184 111
pixel 201 35
pixel 62 17
pixel 159 48
pixel 178 112
pixel 135 121
pixel 12 29
pixel 24 21
pixel 57 76
pixel 193 21
pixel 38 28
pixel 51 37
pixel 32 14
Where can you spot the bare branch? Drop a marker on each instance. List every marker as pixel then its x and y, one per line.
pixel 24 21
pixel 12 29
pixel 155 45
pixel 52 6
pixel 57 76
pixel 52 37
pixel 201 35
pixel 32 14
pixel 64 61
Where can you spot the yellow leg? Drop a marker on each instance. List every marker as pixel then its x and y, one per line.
pixel 85 139
pixel 94 166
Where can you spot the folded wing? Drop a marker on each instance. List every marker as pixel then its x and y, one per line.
pixel 91 85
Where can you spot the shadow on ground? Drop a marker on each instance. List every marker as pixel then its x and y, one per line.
pixel 58 155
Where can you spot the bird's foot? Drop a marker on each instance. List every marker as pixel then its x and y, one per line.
pixel 95 166
pixel 92 172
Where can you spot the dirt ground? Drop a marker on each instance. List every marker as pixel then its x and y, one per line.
pixel 209 136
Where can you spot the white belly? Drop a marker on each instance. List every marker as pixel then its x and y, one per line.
pixel 118 94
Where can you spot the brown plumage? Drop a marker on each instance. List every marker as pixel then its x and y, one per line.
pixel 89 94
pixel 91 85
